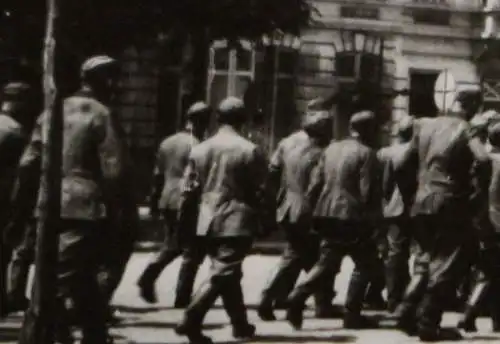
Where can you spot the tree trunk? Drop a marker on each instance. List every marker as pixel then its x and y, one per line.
pixel 38 327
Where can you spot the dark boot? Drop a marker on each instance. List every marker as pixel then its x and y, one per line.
pixel 276 292
pixel 296 304
pixel 358 322
pixel 19 273
pixel 438 335
pixel 195 313
pixel 234 304
pixel 146 283
pixel 467 321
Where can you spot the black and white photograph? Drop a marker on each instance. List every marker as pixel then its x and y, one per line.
pixel 249 171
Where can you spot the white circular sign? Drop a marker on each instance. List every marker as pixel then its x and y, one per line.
pixel 445 91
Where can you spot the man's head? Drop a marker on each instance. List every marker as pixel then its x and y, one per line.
pixel 99 73
pixel 18 100
pixel 318 121
pixel 198 116
pixel 404 130
pixel 469 101
pixel 232 111
pixel 363 125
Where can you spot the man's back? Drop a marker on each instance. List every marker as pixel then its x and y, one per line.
pixel 295 158
pixel 445 161
pixel 12 141
pixel 230 171
pixel 171 161
pixel 349 172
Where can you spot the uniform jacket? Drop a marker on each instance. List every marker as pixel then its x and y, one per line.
pixel 229 172
pixel 445 159
pixel 345 183
pixel 398 185
pixel 171 161
pixel 96 168
pixel 291 165
pixel 494 190
pixel 12 142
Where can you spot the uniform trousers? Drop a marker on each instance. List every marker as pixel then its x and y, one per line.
pixel 443 245
pixel 300 254
pixel 338 239
pixel 227 255
pixel 177 242
pixel 81 248
pixel 22 259
pixel 397 272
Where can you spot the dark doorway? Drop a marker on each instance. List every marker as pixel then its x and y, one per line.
pixel 422 93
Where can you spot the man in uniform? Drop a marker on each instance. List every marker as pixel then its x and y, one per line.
pixel 171 162
pixel 290 169
pixel 397 195
pixel 225 175
pixel 444 151
pixel 94 195
pixel 17 117
pixel 343 193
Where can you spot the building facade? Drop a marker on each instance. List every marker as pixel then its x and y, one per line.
pixel 398 43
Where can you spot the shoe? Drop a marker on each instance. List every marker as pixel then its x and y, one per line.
pixel 245 331
pixel 295 316
pixel 147 292
pixel 266 313
pixel 437 335
pixel 329 312
pixel 467 325
pixel 194 334
pixel 359 322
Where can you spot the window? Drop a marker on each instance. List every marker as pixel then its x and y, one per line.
pixel 231 70
pixel 359 12
pixel 431 17
pixel 267 85
pixel 352 65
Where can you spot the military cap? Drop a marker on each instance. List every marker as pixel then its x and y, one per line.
pixel 317 104
pixel 362 120
pixel 231 107
pixel 96 62
pixel 494 134
pixel 198 109
pixel 16 89
pixel 314 118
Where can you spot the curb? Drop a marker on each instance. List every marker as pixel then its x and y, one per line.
pixel 262 248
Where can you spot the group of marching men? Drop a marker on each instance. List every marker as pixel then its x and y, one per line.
pixel 436 190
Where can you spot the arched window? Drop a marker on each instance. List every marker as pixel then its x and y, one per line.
pixel 231 70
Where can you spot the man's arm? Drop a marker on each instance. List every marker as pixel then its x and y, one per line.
pixel 25 190
pixel 158 183
pixel 317 182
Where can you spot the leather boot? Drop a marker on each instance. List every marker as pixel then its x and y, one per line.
pixel 232 298
pixel 19 273
pixel 467 321
pixel 195 313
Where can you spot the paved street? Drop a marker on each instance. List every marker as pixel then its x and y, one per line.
pixel 146 324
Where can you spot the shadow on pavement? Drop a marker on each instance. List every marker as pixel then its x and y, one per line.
pixel 141 310
pixel 303 339
pixel 161 325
